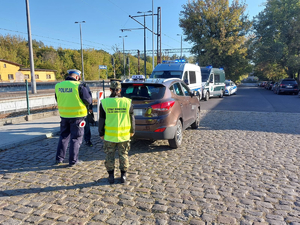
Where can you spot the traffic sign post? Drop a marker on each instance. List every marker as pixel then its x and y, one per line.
pixel 103 67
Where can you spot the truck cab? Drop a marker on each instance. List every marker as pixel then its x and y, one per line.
pixel 213 82
pixel 189 73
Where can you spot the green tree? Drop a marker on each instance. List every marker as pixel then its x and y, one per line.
pixel 277 45
pixel 218 33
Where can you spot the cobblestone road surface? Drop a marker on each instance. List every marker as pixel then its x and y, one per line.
pixel 237 168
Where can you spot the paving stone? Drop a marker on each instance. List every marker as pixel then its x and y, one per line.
pixel 240 173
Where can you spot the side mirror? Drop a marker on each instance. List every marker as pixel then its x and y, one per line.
pixel 194 93
pixel 186 82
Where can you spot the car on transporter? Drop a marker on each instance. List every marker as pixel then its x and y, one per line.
pixel 163 108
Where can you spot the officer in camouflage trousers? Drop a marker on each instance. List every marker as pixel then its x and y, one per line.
pixel 116 126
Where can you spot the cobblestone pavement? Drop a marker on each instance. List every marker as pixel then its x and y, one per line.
pixel 237 168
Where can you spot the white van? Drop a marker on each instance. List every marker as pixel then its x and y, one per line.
pixel 189 73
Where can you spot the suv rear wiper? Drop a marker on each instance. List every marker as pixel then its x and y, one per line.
pixel 139 97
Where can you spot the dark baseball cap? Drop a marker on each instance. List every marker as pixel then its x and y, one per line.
pixel 115 85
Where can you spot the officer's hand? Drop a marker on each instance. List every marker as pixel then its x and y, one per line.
pixel 102 137
pixel 131 134
pixel 90 110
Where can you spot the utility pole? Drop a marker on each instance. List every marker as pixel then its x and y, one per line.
pixel 123 52
pixel 152 37
pixel 33 83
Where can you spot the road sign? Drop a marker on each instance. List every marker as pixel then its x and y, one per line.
pixel 102 67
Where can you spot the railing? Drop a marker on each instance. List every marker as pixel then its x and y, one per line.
pixel 21 86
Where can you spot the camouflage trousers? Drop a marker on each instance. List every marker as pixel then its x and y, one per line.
pixel 110 149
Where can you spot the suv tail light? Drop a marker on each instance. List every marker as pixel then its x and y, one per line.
pixel 164 106
pixel 160 130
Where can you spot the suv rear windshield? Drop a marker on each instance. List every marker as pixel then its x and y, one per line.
pixel 166 74
pixel 142 91
pixel 289 82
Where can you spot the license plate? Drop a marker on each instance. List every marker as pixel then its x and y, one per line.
pixel 289 86
pixel 138 112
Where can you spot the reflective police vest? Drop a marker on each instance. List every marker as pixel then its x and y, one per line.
pixel 69 103
pixel 117 122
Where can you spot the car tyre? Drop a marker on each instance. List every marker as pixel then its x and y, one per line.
pixel 176 141
pixel 195 125
pixel 206 96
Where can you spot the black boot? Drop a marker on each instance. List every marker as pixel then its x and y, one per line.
pixel 111 177
pixel 123 176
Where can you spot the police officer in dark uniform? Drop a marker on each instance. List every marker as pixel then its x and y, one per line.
pixel 72 100
pixel 87 129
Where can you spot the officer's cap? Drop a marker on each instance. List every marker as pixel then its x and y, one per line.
pixel 115 85
pixel 77 72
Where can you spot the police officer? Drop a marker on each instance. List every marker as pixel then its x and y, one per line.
pixel 72 100
pixel 116 126
pixel 87 130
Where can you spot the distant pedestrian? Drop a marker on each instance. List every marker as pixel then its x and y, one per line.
pixel 87 129
pixel 72 100
pixel 116 126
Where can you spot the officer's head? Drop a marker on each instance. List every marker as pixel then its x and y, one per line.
pixel 115 88
pixel 74 73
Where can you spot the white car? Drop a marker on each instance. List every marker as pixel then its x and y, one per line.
pixel 230 88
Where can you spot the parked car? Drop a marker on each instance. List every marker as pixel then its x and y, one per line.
pixel 163 108
pixel 230 88
pixel 274 86
pixel 269 85
pixel 287 85
pixel 262 84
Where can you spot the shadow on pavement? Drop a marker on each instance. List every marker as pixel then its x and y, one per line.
pixel 22 191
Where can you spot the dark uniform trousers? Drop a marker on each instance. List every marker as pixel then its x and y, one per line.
pixel 110 149
pixel 69 128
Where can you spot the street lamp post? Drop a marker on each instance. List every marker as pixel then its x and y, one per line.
pixel 33 83
pixel 81 49
pixel 145 59
pixel 123 52
pixel 180 46
pixel 152 36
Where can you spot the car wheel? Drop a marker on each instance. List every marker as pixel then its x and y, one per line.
pixel 199 97
pixel 206 96
pixel 195 125
pixel 278 92
pixel 176 141
pixel 221 95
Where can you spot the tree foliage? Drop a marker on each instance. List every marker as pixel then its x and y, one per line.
pixel 15 49
pixel 276 45
pixel 218 33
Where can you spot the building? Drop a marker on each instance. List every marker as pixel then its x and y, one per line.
pixel 14 72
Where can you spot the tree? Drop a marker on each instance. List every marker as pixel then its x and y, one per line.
pixel 277 45
pixel 218 33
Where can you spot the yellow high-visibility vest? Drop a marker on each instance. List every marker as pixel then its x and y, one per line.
pixel 69 102
pixel 117 122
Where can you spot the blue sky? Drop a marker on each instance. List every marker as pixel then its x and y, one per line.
pixel 53 22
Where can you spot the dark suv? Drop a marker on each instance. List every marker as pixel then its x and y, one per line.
pixel 163 108
pixel 287 85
